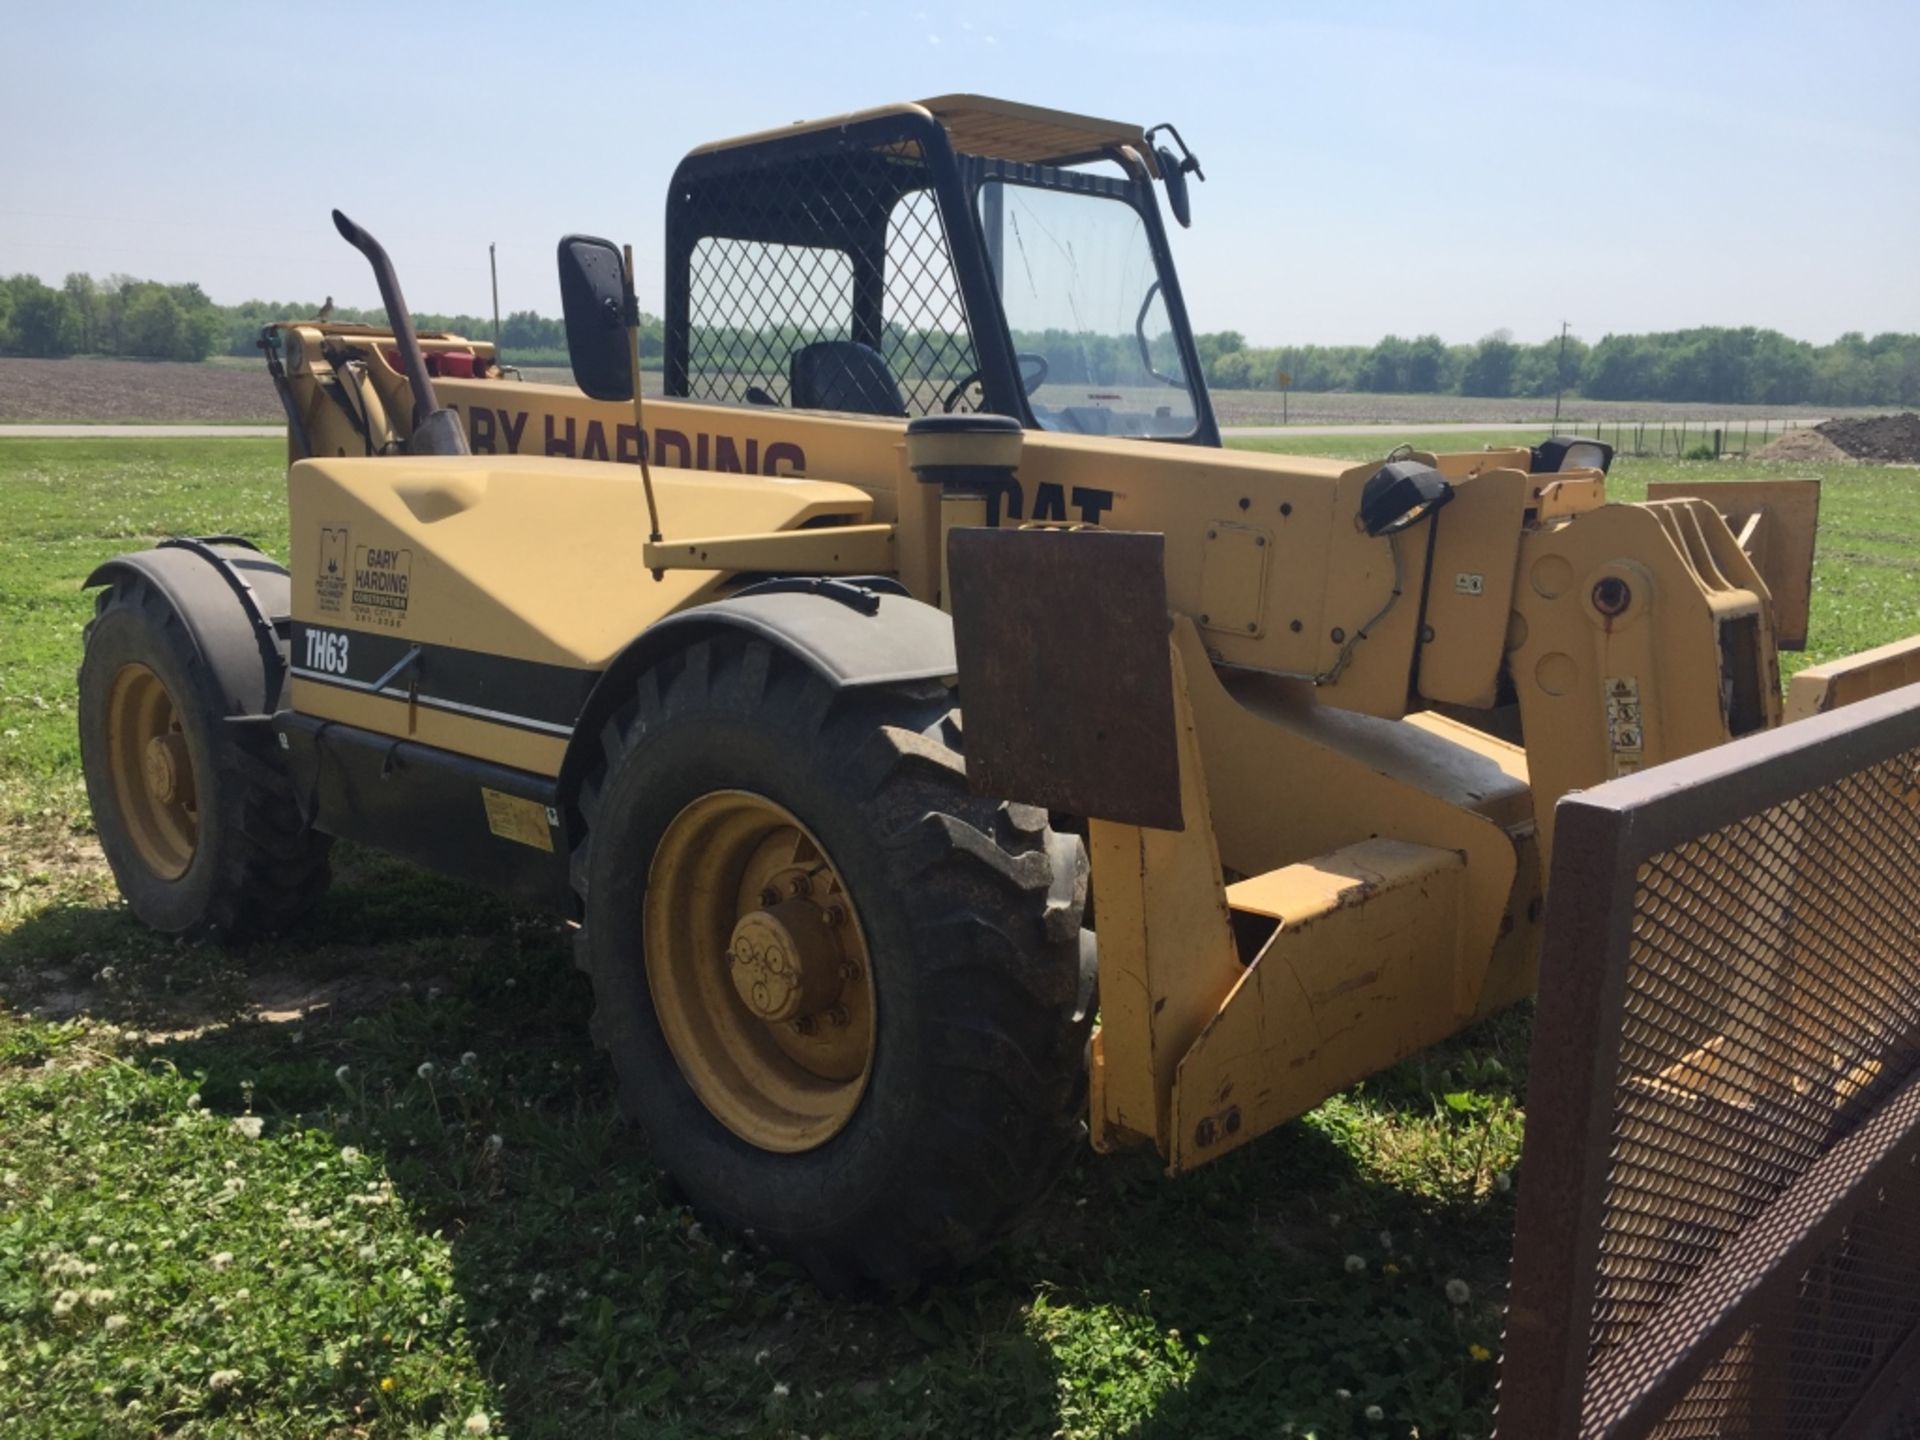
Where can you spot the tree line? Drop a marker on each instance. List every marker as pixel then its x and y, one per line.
pixel 119 315
pixel 1714 364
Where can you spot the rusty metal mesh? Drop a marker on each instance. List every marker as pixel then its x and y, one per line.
pixel 1772 1001
pixel 846 248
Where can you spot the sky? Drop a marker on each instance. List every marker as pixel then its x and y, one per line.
pixel 1453 168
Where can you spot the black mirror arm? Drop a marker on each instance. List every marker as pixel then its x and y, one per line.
pixel 1189 162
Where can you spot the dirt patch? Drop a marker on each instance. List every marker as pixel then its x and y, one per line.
pixel 1889 439
pixel 1806 443
pixel 128 390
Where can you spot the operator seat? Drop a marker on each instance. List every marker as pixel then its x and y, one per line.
pixel 845 375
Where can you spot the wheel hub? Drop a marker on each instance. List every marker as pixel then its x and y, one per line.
pixel 151 770
pixel 168 771
pixel 759 972
pixel 785 962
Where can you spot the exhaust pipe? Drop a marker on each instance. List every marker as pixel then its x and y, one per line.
pixel 435 431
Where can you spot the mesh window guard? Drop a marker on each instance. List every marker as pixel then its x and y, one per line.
pixel 824 282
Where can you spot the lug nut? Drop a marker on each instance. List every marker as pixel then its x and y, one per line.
pixel 805 1025
pixel 849 971
pixel 769 896
pixel 838 1015
pixel 800 886
pixel 836 914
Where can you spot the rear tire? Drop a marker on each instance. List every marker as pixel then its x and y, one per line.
pixel 971 910
pixel 203 838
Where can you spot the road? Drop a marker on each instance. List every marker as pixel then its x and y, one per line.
pixel 1236 432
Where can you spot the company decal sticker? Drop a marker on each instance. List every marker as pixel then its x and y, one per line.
pixel 330 575
pixel 382 582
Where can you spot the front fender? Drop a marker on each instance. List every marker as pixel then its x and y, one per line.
pixel 850 636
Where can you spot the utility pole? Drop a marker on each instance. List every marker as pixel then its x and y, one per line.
pixel 1559 390
pixel 496 300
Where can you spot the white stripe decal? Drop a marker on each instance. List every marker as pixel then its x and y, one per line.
pixel 394 692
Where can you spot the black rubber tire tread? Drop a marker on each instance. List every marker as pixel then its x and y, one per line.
pixel 257 865
pixel 973 912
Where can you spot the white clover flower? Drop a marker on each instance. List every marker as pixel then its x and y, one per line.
pixel 64 1302
pixel 1343 1396
pixel 344 1075
pixel 433 992
pixel 492 1147
pixel 115 1323
pixel 1386 1240
pixel 368 1252
pixel 96 1242
pixel 249 1125
pixel 468 1060
pixel 1375 1413
pixel 1355 1264
pixel 109 974
pixel 425 1072
pixel 1503 1181
pixel 222 1260
pixel 350 1154
pixel 223 1379
pixel 194 1101
pixel 781 1390
pixel 98 1299
pixel 478 1424
pixel 1458 1292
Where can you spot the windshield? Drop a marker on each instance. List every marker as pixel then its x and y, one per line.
pixel 1084 305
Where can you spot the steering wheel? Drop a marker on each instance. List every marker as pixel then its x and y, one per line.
pixel 1029 383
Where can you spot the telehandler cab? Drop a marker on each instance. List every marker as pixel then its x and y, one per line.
pixel 691 673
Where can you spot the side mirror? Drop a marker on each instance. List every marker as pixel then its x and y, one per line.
pixel 1174 176
pixel 598 305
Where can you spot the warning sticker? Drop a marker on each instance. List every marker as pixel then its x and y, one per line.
pixel 330 576
pixel 382 581
pixel 525 822
pixel 1625 737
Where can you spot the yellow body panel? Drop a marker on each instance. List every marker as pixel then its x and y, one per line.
pixel 523 558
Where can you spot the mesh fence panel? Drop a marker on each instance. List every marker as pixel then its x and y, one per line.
pixel 1768 1005
pixel 844 257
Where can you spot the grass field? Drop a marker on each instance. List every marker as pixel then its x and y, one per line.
pixel 368 1180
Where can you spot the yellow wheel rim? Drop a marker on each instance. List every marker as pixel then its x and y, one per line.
pixel 152 770
pixel 759 973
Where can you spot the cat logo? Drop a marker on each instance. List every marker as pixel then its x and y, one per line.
pixel 330 580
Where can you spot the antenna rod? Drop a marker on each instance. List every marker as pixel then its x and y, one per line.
pixel 492 266
pixel 632 318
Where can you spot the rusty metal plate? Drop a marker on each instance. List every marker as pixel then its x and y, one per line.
pixel 1066 683
pixel 1719 1226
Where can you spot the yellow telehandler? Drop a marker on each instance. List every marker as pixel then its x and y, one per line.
pixel 1285 733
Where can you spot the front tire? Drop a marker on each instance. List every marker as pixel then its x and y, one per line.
pixel 196 816
pixel 738 790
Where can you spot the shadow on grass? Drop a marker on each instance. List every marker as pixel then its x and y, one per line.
pixel 1218 1304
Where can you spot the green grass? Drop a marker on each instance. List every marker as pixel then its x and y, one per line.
pixel 392 1252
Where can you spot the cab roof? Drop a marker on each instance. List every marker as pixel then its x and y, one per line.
pixel 983 125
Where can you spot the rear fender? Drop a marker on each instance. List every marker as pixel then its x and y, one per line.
pixel 234 603
pixel 851 636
